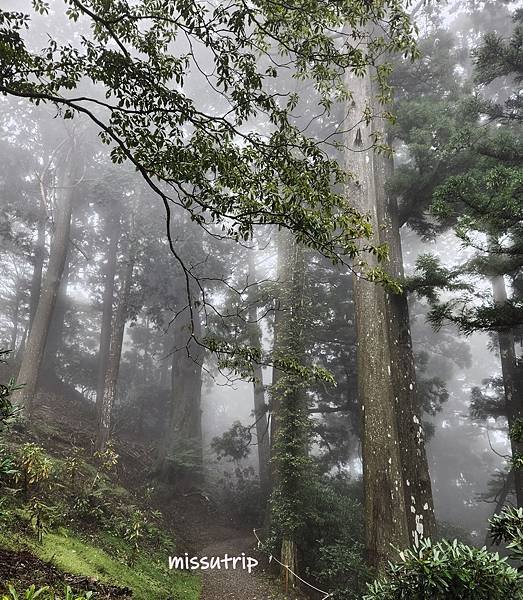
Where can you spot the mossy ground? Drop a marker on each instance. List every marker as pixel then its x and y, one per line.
pixel 96 548
pixel 148 576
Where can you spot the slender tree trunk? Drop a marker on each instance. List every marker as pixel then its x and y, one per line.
pixel 147 356
pixel 260 408
pixel 35 346
pixel 165 367
pixel 56 329
pixel 509 368
pixel 385 496
pixel 38 264
pixel 21 347
pixel 274 399
pixel 115 352
pixel 290 444
pixel 508 484
pixel 107 308
pixel 16 318
pixel 416 477
pixel 182 453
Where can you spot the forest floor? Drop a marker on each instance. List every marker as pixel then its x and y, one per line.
pixel 95 560
pixel 203 531
pixel 238 584
pixel 26 569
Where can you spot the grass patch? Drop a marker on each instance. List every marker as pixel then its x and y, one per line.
pixel 149 576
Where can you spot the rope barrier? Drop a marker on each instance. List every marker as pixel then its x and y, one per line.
pixel 271 558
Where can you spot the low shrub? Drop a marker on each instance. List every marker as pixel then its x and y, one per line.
pixel 448 571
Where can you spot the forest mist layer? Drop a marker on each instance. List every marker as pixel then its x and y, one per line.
pixel 261 269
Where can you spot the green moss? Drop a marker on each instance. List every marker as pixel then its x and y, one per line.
pixel 149 577
pixel 103 556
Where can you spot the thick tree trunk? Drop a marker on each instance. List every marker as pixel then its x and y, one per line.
pixel 115 354
pixel 509 368
pixel 107 308
pixel 385 495
pixel 35 346
pixel 182 453
pixel 416 477
pixel 260 408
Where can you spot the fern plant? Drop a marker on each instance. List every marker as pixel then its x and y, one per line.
pixel 44 593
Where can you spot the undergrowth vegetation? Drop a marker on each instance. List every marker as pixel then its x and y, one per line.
pixel 71 509
pixel 455 571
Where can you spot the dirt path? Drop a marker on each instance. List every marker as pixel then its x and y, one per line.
pixel 205 532
pixel 238 584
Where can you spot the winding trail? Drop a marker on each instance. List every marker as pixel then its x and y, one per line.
pixel 204 531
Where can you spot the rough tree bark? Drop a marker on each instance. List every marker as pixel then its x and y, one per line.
pixel 385 496
pixel 34 349
pixel 113 232
pixel 509 368
pixel 415 469
pixel 260 408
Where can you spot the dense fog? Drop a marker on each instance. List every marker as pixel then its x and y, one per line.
pixel 209 330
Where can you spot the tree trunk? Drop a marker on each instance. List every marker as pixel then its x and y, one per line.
pixel 385 496
pixel 38 265
pixel 509 368
pixel 415 469
pixel 56 329
pixel 16 318
pixel 274 399
pixel 182 454
pixel 107 308
pixel 289 558
pixel 260 408
pixel 165 367
pixel 508 484
pixel 35 346
pixel 290 414
pixel 115 351
pixel 147 364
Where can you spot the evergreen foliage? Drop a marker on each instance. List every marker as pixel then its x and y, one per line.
pixel 448 571
pixel 221 172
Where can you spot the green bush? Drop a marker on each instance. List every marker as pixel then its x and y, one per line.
pixel 340 568
pixel 448 571
pixel 35 468
pixel 507 527
pixel 7 411
pixel 330 542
